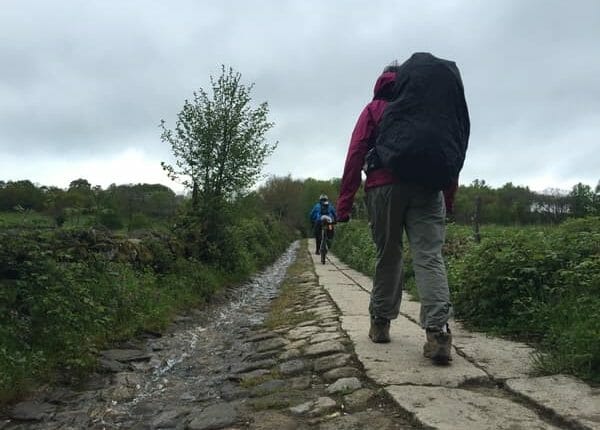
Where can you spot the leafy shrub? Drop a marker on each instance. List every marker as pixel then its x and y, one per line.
pixel 538 284
pixel 139 221
pixel 109 219
pixel 65 293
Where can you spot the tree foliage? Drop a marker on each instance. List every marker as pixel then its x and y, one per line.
pixel 219 140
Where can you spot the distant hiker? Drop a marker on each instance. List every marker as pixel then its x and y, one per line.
pixel 411 140
pixel 322 207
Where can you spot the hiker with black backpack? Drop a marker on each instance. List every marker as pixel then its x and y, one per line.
pixel 411 141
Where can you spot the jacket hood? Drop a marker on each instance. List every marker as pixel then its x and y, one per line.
pixel 384 84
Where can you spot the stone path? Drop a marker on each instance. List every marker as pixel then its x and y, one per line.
pixel 277 359
pixel 488 386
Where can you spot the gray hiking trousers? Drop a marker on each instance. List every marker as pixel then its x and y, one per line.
pixel 394 209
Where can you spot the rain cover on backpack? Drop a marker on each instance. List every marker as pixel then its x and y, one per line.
pixel 424 131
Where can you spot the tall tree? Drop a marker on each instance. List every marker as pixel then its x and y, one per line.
pixel 219 141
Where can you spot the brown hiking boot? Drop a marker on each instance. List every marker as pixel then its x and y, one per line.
pixel 380 330
pixel 438 346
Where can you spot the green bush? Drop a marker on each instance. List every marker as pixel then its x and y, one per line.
pixel 542 285
pixel 139 221
pixel 109 219
pixel 66 293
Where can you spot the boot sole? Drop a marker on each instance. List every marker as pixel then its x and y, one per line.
pixel 379 340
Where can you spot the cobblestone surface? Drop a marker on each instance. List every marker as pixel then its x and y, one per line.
pixel 268 357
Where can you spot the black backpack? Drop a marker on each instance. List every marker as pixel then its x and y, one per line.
pixel 424 131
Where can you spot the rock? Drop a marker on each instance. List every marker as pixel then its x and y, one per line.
pixel 290 354
pixel 358 400
pixel 269 420
pixel 303 332
pixel 250 375
pixel 262 355
pixel 455 408
pixel 112 366
pixel 129 379
pixel 261 336
pixel 268 387
pixel 300 382
pixel 298 344
pixel 323 405
pixel 323 348
pixel 269 344
pixel 331 361
pixel 565 396
pixel 253 365
pixel 322 337
pixel 362 420
pixel 214 417
pixel 340 372
pixel 31 411
pixel 292 367
pixel 167 419
pixel 302 408
pixel 344 385
pixel 123 393
pixel 125 355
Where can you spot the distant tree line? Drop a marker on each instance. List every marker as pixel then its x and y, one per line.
pixel 116 206
pixel 512 204
pixel 285 199
pixel 291 199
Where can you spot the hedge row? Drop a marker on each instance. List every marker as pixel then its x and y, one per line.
pixel 66 293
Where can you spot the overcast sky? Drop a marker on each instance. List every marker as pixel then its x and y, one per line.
pixel 84 84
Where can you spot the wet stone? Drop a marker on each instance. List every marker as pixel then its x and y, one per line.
pixel 214 417
pixel 31 411
pixel 125 355
pixel 358 400
pixel 344 385
pixel 329 362
pixel 112 366
pixel 261 336
pixel 324 348
pixel 340 372
pixel 292 367
pixel 168 419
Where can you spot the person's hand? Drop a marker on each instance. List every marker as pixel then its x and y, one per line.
pixel 343 219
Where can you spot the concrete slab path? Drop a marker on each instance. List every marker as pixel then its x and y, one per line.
pixel 488 386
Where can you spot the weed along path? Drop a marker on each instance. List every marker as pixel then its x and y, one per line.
pixel 488 386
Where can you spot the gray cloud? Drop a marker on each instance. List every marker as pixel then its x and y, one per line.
pixel 86 79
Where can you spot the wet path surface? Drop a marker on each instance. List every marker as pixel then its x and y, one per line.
pixel 222 367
